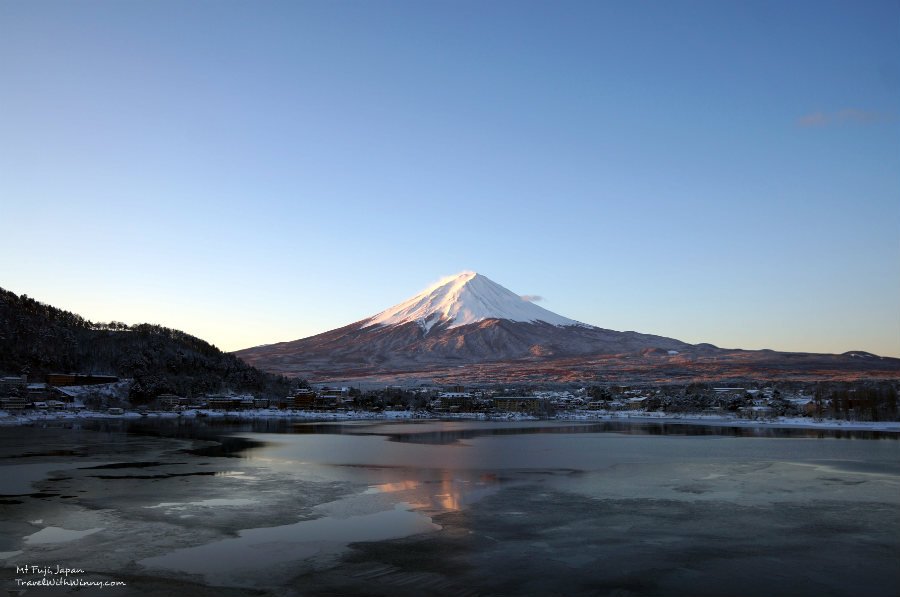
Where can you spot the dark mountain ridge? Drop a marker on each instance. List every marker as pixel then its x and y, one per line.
pixel 36 338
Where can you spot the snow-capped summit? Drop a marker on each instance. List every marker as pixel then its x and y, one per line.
pixel 465 298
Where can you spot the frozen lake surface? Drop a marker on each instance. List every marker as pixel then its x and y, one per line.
pixel 452 508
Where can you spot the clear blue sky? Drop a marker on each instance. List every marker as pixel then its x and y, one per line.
pixel 253 172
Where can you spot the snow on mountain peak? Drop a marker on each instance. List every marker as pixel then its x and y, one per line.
pixel 465 298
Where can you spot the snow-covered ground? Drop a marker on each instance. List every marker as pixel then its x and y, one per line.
pixel 110 391
pixel 731 421
pixel 636 416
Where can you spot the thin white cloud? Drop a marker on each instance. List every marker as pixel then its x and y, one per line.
pixel 845 116
pixel 860 116
pixel 813 119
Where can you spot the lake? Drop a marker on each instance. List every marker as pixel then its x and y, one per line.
pixel 275 507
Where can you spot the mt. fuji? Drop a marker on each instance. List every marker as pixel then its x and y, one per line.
pixel 467 328
pixel 461 320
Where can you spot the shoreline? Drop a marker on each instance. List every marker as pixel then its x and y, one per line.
pixel 7 419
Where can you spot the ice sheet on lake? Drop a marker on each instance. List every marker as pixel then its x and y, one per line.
pixel 57 535
pixel 5 555
pixel 255 552
pixel 17 479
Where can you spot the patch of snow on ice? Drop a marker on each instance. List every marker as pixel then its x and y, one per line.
pixel 204 503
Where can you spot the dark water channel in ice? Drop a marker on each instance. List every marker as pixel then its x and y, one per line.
pixel 278 507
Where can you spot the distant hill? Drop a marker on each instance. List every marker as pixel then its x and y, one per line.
pixel 37 339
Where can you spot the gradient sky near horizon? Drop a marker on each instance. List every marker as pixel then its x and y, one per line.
pixel 253 172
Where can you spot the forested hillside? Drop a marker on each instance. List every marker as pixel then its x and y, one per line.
pixel 36 338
